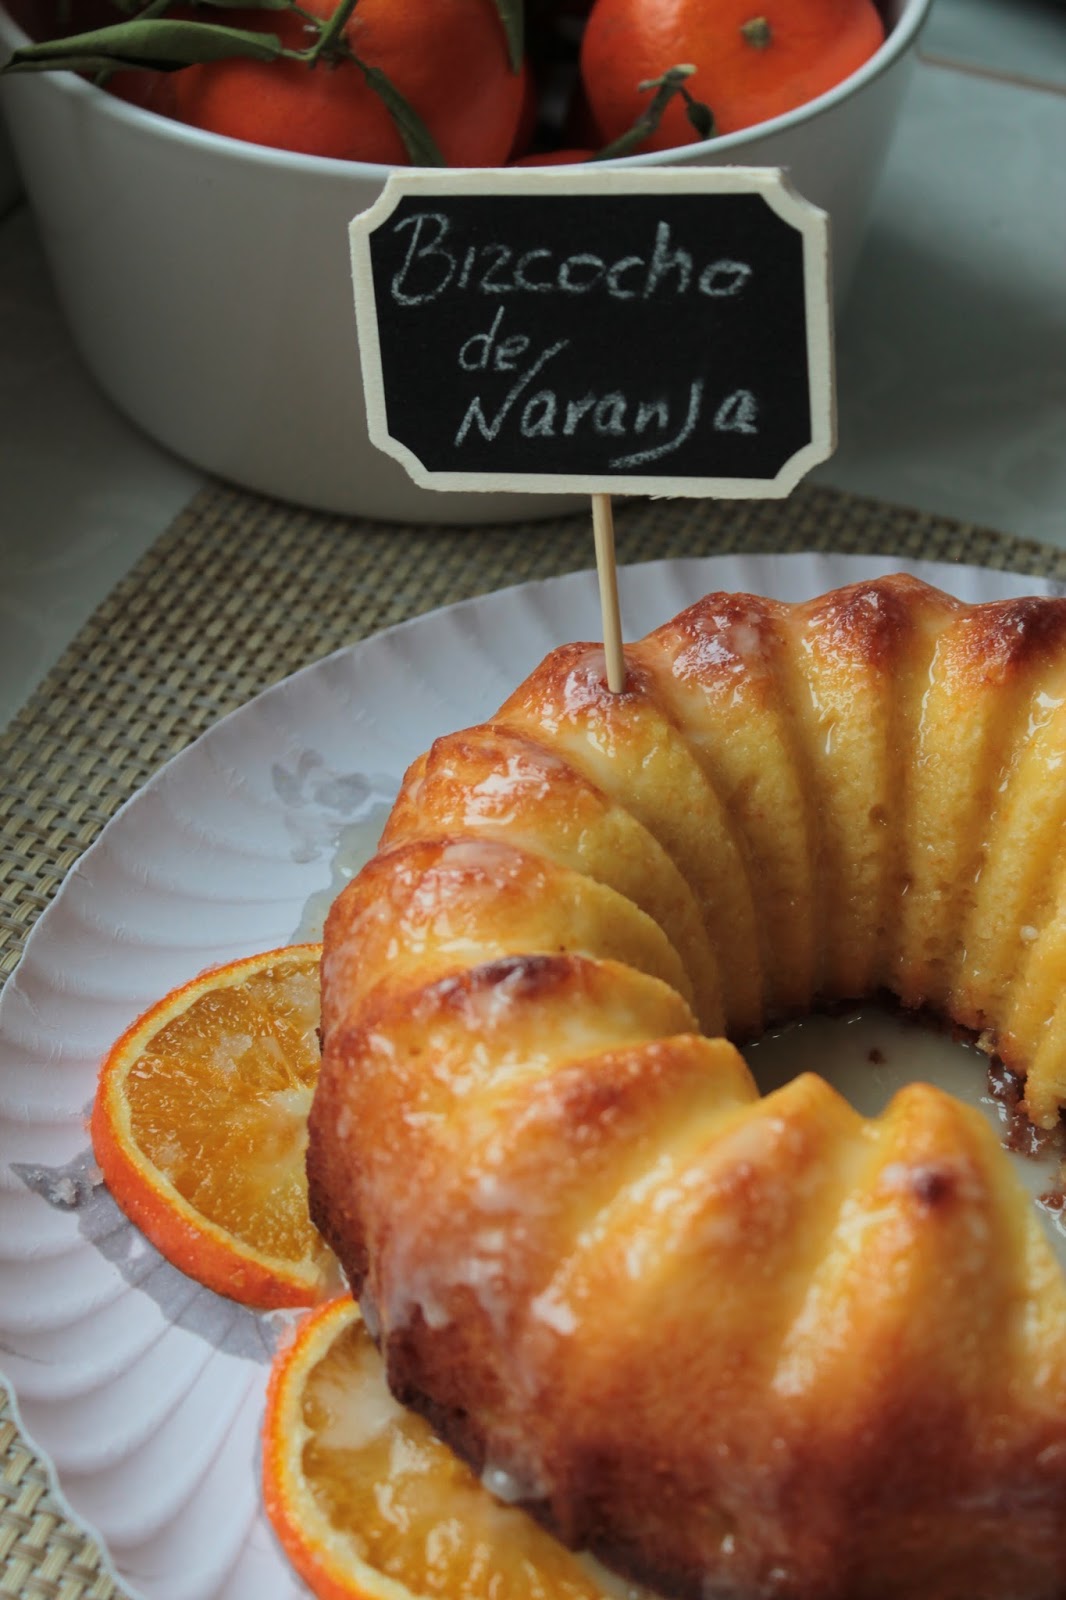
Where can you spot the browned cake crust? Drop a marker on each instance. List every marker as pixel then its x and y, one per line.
pixel 742 1347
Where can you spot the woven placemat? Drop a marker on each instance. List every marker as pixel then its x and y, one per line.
pixel 236 594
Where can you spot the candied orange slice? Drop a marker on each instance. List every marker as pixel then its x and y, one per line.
pixel 200 1127
pixel 370 1505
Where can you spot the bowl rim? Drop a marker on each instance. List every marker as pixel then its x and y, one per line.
pixel 896 43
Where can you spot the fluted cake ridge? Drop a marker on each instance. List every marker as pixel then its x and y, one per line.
pixel 741 1346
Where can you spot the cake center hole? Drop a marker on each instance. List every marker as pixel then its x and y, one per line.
pixel 869 1053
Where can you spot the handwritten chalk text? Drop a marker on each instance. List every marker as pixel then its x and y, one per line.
pixel 433 264
pixel 657 426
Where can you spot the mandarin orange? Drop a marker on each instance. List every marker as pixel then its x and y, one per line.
pixel 754 59
pixel 448 59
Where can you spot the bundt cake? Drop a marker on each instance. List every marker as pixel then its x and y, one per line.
pixel 740 1347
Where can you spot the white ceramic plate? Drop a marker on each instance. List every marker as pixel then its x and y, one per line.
pixel 143 1390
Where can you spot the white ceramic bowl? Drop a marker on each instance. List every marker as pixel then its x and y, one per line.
pixel 206 281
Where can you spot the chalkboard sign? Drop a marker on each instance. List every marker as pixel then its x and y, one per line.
pixel 663 331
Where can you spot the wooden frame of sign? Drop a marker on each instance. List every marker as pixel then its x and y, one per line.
pixel 663 331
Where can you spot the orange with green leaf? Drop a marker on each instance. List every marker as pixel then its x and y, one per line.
pixel 448 65
pixel 744 61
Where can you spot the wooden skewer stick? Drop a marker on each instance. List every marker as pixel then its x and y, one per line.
pixel 603 534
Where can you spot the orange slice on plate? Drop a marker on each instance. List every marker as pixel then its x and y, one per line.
pixel 370 1505
pixel 200 1126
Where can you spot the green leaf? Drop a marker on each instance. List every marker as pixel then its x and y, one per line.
pixel 513 16
pixel 418 141
pixel 160 43
pixel 671 82
pixel 701 118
